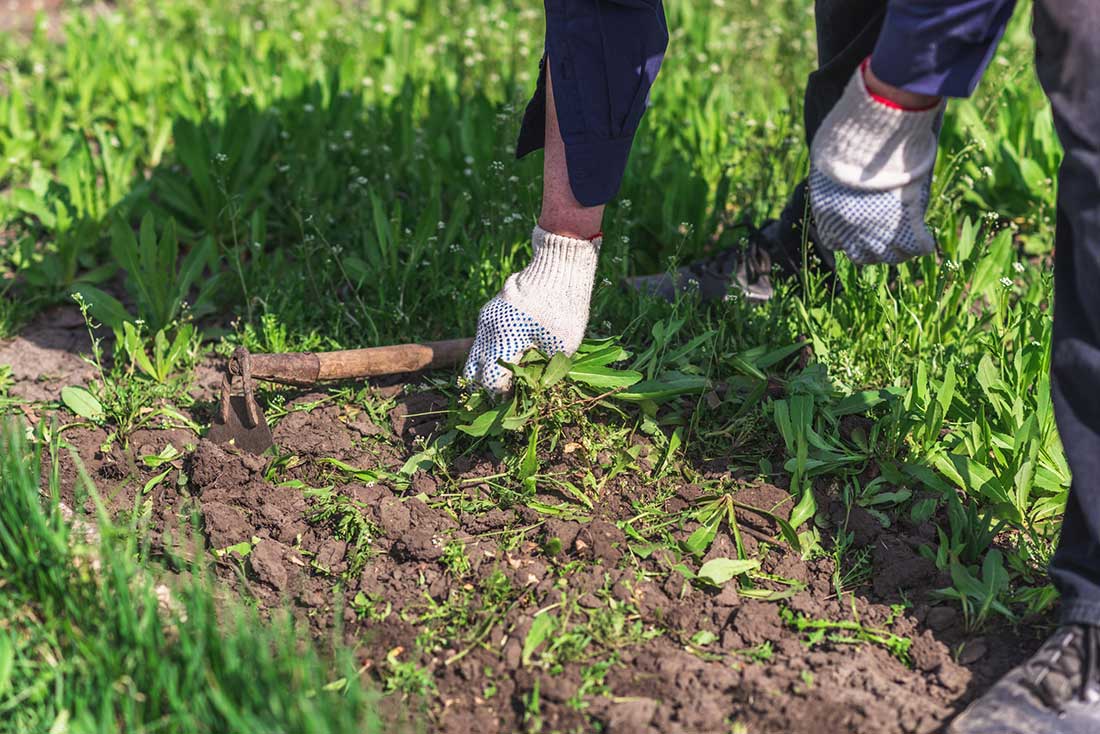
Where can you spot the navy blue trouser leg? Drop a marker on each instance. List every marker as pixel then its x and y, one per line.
pixel 604 56
pixel 1068 59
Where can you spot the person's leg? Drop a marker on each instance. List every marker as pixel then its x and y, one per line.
pixel 847 31
pixel 1067 59
pixel 561 212
pixel 600 60
pixel 1058 689
pixel 604 56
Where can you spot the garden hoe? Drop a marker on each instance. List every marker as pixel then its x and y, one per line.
pixel 241 422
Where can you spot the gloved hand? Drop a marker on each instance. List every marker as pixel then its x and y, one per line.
pixel 545 306
pixel 871 174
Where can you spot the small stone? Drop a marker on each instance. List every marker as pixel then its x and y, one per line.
pixel 952 678
pixel 267 561
pixel 940 618
pixel 973 651
pixel 512 654
pixel 589 601
pixel 632 715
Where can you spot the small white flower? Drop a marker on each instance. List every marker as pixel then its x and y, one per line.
pixel 1006 282
pixel 1018 267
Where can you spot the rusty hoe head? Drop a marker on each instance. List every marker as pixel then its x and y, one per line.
pixel 240 422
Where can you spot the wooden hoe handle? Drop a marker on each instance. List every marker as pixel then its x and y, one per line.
pixel 306 368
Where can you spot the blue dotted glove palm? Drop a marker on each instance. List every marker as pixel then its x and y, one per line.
pixel 544 306
pixel 870 177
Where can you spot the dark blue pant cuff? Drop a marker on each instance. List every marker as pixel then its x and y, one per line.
pixel 1080 612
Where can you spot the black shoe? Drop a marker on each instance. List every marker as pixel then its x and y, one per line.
pixel 746 269
pixel 1057 691
pixel 773 249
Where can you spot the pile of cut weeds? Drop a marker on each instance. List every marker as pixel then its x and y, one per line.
pixel 490 611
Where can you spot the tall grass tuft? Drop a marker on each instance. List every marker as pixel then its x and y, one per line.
pixel 90 641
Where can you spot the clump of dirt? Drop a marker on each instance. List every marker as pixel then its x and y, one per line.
pixel 45 357
pixel 439 590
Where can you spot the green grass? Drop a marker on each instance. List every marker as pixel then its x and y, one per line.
pixel 227 163
pixel 92 642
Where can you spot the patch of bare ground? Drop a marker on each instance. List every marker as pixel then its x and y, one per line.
pixel 679 658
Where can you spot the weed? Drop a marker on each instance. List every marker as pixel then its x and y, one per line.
pixel 118 398
pixel 406 678
pixel 454 558
pixel 347 519
pixel 761 653
pixel 846 633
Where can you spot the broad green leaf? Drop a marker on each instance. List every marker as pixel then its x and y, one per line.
pixel 861 402
pixel 665 387
pixel 82 403
pixel 702 638
pixel 530 463
pixel 103 308
pixel 485 424
pixel 155 481
pixel 558 367
pixel 698 542
pixel 541 628
pixel 604 378
pixel 720 570
pixel 805 509
pixel 136 350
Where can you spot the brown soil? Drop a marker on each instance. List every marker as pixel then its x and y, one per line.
pixel 19 15
pixel 685 659
pixel 46 356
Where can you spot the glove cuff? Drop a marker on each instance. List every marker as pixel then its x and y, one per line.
pixel 556 287
pixel 562 268
pixel 870 146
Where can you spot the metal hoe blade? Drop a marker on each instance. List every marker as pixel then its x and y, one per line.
pixel 240 422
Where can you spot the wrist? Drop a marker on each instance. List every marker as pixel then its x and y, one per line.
pixel 892 96
pixel 560 267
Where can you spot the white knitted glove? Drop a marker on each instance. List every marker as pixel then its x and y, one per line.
pixel 545 306
pixel 870 177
